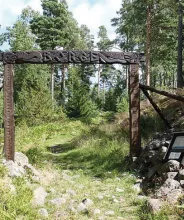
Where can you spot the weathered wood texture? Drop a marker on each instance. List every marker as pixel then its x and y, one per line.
pixel 86 57
pixel 134 111
pixel 156 108
pixel 164 93
pixel 76 57
pixel 9 124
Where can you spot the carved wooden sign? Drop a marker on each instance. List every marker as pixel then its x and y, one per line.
pixel 85 57
pixel 75 57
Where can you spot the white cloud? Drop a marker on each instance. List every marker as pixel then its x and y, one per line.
pixel 96 14
pixel 92 13
pixel 10 9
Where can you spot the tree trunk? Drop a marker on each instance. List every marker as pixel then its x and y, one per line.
pixel 180 82
pixel 104 92
pixel 99 67
pixel 148 46
pixel 63 85
pixel 52 81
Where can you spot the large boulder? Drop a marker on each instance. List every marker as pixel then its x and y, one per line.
pixel 168 186
pixel 39 196
pixel 169 175
pixel 170 166
pixel 13 169
pixel 155 205
pixel 174 195
pixel 21 159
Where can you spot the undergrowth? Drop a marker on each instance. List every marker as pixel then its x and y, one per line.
pixel 91 151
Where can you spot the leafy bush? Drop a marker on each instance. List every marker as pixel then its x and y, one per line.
pixel 36 107
pixel 35 155
pixel 122 104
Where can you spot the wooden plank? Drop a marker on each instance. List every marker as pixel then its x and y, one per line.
pixel 164 93
pixel 157 109
pixel 134 111
pixel 9 124
pixel 85 57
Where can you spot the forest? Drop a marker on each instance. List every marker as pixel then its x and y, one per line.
pixel 72 120
pixel 46 93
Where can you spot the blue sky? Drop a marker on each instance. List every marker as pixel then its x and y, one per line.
pixel 93 13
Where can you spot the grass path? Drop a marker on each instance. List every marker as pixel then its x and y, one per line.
pixel 89 160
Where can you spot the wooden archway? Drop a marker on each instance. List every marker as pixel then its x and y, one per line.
pixel 76 57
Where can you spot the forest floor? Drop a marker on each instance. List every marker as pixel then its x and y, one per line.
pixel 80 162
pixel 90 161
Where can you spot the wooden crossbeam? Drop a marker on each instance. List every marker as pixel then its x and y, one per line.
pixel 76 57
pixel 85 57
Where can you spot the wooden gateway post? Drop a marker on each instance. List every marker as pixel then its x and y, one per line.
pixel 75 57
pixel 134 111
pixel 9 124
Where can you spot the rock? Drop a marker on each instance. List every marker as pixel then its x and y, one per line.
pixel 170 166
pixel 13 169
pixel 71 208
pixel 100 197
pixel 39 196
pixel 156 144
pixel 169 175
pixel 163 150
pixel 182 183
pixel 115 201
pixel 12 189
pixel 119 190
pixel 165 144
pixel 82 208
pixel 43 212
pixel 21 159
pixel 140 197
pixel 96 211
pixel 155 205
pixel 52 190
pixel 171 184
pixel 109 213
pixel 58 201
pixel 60 215
pixel 181 175
pixel 134 159
pixel 88 202
pixel 33 171
pixel 137 187
pixel 71 192
pixel 149 154
pixel 168 186
pixel 174 195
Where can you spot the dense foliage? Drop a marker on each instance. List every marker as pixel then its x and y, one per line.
pixel 43 92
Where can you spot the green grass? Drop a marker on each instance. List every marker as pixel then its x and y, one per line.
pixel 15 205
pixel 94 157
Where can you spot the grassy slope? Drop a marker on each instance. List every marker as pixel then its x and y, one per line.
pixel 94 158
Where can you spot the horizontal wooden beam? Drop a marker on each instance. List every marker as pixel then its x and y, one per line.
pixel 77 57
pixel 164 93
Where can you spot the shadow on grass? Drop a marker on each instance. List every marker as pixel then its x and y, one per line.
pixel 62 148
pixel 95 152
